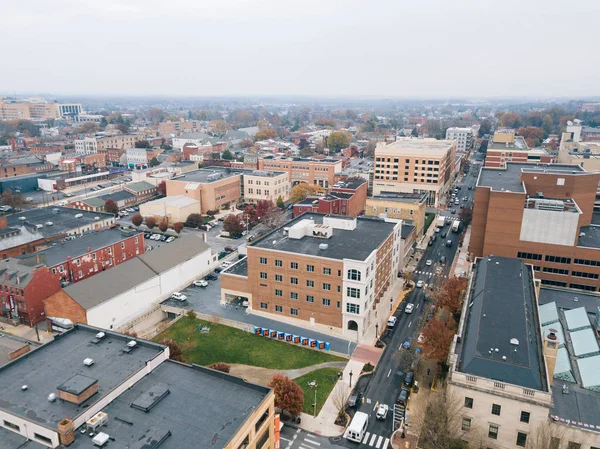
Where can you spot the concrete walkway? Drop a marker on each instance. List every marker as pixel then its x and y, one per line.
pixel 263 376
pixel 462 261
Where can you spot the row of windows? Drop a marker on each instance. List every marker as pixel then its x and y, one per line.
pixel 554 283
pixel 591 263
pixel 530 256
pixel 558 259
pixel 294 266
pixel 582 274
pixel 294 281
pixel 589 288
pixel 407 161
pixel 555 270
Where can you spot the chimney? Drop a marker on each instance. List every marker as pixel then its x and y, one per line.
pixel 66 431
pixel 550 352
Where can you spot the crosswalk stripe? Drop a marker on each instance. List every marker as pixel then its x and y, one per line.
pixel 372 440
pixel 304 447
pixel 379 440
pixel 366 437
pixel 385 444
pixel 316 443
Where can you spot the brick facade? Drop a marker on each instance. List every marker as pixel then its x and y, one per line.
pixel 61 305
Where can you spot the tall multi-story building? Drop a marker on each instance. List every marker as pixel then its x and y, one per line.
pixel 512 375
pixel 91 145
pixel 265 185
pixel 320 270
pixel 463 138
pixel 92 387
pixel 415 166
pixel 541 214
pixel 312 171
pixel 37 109
pixel 578 147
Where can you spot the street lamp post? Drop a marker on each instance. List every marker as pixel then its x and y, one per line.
pixel 313 384
pixel 376 330
pixel 350 378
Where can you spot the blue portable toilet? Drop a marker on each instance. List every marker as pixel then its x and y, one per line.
pixel 327 345
pixel 288 337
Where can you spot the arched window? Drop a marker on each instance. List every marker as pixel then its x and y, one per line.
pixel 354 275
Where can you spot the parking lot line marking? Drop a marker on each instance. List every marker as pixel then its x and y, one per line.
pixel 307 440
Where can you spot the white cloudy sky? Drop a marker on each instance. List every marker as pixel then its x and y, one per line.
pixel 310 47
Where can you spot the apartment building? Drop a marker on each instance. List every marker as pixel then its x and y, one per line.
pixel 24 166
pixel 36 109
pixel 321 270
pixel 92 387
pixel 311 171
pixel 175 128
pixel 415 166
pixel 265 185
pixel 113 156
pixel 408 207
pixel 347 197
pixel 138 157
pixel 543 215
pixel 507 147
pixel 463 138
pixel 577 147
pixel 508 370
pixel 23 289
pixel 91 145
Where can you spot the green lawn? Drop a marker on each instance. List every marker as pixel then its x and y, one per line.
pixel 326 379
pixel 231 345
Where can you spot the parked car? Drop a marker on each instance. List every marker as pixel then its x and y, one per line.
pixel 29 199
pixel 408 379
pixel 429 262
pixel 403 396
pixel 420 284
pixel 147 235
pixel 354 399
pixel 382 411
pixel 229 249
pixel 391 322
pixel 170 239
pixel 430 243
pixel 179 296
pixel 444 234
pixel 63 203
pixel 443 260
pixel 452 211
pixel 409 308
pixel 448 243
pixel 163 238
pixel 245 303
pixel 200 283
pixel 211 277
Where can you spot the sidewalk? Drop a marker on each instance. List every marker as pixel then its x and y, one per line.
pixel 462 259
pixel 385 308
pixel 29 333
pixel 324 423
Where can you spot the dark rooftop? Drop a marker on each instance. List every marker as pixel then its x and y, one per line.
pixel 355 244
pixel 502 308
pixel 509 179
pixel 401 197
pixel 207 175
pixel 407 229
pixel 240 268
pixel 119 195
pixel 62 218
pixel 350 183
pixel 44 369
pixel 589 236
pixel 58 252
pixel 181 404
pixel 570 299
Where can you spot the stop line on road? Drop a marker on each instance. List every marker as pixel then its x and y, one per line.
pixel 427 273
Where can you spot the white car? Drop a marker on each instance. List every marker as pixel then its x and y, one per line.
pixel 201 283
pixel 62 203
pixel 179 296
pixel 225 265
pixel 29 198
pixel 409 308
pixel 155 237
pixel 420 284
pixel 382 411
pixel 245 303
pixel 170 239
pixel 391 322
pixel 429 262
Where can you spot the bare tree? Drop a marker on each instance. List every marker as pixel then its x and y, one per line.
pixel 340 396
pixel 547 435
pixel 405 359
pixel 441 422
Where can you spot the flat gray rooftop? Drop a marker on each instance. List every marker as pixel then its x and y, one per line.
pixel 240 268
pixel 58 252
pixel 581 407
pixel 46 368
pixel 589 236
pixel 570 299
pixel 401 197
pixel 502 308
pixel 180 404
pixel 12 440
pixel 509 179
pixel 358 244
pixel 62 218
pixel 207 175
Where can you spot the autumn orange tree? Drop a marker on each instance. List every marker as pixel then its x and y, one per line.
pixel 288 394
pixel 437 338
pixel 449 295
pixel 220 366
pixel 302 190
pixel 264 134
pixel 175 351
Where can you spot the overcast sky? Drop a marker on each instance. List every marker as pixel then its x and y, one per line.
pixel 391 48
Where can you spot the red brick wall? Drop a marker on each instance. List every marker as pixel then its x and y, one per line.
pixel 61 305
pixel 27 248
pixel 105 258
pixel 357 203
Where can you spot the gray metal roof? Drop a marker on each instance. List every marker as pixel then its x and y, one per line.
pixel 570 299
pixel 584 343
pixel 53 364
pixel 502 308
pixel 119 195
pixel 589 369
pixel 589 236
pixel 103 286
pixel 548 313
pixel 13 440
pixel 580 407
pixel 190 404
pixel 355 244
pixel 140 186
pixel 563 369
pixel 180 250
pixel 576 319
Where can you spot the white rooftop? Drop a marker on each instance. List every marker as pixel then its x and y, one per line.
pixel 584 342
pixel 577 319
pixel 589 369
pixel 175 200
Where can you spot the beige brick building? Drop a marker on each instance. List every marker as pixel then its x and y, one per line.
pixel 415 166
pixel 312 171
pixel 266 185
pixel 408 207
pixel 320 270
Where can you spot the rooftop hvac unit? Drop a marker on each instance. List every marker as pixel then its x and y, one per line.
pixel 98 420
pixel 100 335
pixel 22 218
pixel 96 218
pixel 51 397
pixel 78 215
pixel 101 439
pixel 323 246
pixel 131 344
pixel 88 362
pixel 556 205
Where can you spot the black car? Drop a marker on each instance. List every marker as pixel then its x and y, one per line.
pixel 211 277
pixel 403 396
pixel 443 260
pixel 444 234
pixel 147 235
pixel 470 187
pixel 408 379
pixel 430 243
pixel 354 399
pixel 453 211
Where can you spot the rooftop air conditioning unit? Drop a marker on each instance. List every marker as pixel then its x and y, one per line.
pixel 100 335
pixel 131 344
pixel 88 362
pixel 323 246
pixel 96 218
pixel 78 215
pixel 101 439
pixel 22 218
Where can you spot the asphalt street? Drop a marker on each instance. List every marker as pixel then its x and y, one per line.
pixel 291 438
pixel 386 383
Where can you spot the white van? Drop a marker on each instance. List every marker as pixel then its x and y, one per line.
pixel 357 428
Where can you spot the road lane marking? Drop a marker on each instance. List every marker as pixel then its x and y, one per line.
pixel 409 324
pixel 366 437
pixel 368 400
pixel 379 440
pixel 284 439
pixel 372 440
pixel 375 407
pixel 418 304
pixel 389 372
pixel 385 444
pixel 316 443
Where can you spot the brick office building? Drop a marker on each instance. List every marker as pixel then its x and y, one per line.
pixel 344 198
pixel 319 269
pixel 543 215
pixel 23 289
pixel 74 260
pixel 312 171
